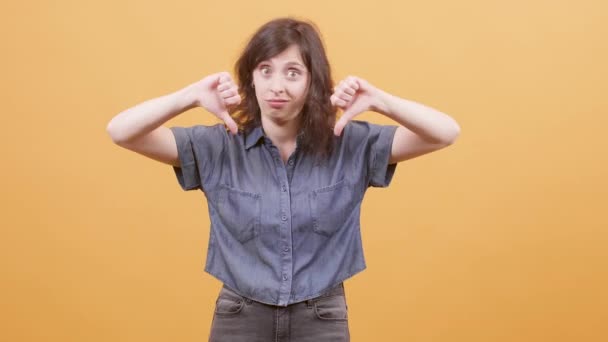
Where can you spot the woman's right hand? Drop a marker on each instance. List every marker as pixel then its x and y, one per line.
pixel 217 93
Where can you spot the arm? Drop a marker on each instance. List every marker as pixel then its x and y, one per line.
pixel 140 129
pixel 422 129
pixel 148 115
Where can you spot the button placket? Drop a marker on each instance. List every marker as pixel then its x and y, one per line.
pixel 285 231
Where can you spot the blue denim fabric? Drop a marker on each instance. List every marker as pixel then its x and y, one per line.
pixel 282 233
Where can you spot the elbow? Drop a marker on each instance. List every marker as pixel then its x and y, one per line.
pixel 456 132
pixel 114 133
pixel 452 134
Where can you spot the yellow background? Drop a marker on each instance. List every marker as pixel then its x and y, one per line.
pixel 500 237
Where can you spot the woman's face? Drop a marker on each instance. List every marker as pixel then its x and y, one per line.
pixel 281 85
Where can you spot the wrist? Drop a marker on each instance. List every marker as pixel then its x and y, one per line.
pixel 186 98
pixel 383 102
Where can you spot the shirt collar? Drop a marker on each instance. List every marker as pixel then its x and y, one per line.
pixel 253 137
pixel 257 133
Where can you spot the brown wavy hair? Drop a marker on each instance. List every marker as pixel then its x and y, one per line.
pixel 318 116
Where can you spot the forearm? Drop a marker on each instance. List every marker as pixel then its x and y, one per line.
pixel 149 115
pixel 431 124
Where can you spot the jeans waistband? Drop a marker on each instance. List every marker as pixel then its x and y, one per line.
pixel 334 291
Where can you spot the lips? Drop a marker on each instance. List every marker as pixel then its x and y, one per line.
pixel 276 103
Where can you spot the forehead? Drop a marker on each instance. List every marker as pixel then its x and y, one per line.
pixel 289 56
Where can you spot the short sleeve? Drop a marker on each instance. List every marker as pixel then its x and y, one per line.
pixel 373 150
pixel 199 150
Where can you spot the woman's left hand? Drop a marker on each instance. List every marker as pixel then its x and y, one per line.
pixel 354 95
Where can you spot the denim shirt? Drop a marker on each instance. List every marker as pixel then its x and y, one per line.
pixel 282 232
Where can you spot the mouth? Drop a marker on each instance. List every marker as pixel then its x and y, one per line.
pixel 275 103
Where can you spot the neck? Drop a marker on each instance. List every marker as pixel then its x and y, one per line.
pixel 281 132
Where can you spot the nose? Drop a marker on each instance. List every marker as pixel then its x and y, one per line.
pixel 276 84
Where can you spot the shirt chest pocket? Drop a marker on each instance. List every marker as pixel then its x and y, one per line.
pixel 239 212
pixel 331 207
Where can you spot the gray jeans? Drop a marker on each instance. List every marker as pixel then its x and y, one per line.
pixel 240 319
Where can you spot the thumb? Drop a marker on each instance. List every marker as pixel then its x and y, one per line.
pixel 340 125
pixel 232 126
pixel 347 115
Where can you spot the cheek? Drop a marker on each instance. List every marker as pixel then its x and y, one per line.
pixel 257 90
pixel 300 91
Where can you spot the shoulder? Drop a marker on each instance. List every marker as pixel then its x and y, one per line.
pixel 359 130
pixel 201 132
pixel 358 125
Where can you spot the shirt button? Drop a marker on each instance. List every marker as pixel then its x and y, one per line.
pixel 290 162
pixel 286 249
pixel 284 218
pixel 284 276
pixel 284 188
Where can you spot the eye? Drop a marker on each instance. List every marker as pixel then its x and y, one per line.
pixel 293 72
pixel 264 70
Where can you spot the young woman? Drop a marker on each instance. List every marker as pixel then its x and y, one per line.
pixel 283 180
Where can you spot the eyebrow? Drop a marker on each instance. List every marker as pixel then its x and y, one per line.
pixel 295 63
pixel 287 64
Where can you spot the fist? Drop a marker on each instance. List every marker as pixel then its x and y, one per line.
pixel 218 94
pixel 354 96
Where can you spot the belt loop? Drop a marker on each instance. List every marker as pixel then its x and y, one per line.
pixel 309 303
